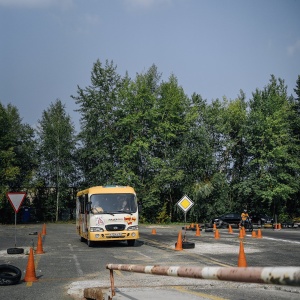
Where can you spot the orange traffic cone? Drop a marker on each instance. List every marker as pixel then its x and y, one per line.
pixel 242 257
pixel 279 226
pixel 44 230
pixel 244 231
pixel 230 229
pixel 241 235
pixel 30 269
pixel 178 245
pixel 39 248
pixel 259 235
pixel 217 234
pixel 153 231
pixel 198 230
pixel 253 234
pixel 214 226
pixel 192 225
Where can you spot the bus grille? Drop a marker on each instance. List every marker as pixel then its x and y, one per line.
pixel 115 227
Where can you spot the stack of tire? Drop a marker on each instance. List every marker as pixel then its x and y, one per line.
pixel 9 274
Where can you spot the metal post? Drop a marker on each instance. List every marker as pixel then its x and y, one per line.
pixel 15 230
pixel 112 283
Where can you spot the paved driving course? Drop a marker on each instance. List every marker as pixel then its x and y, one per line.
pixel 68 266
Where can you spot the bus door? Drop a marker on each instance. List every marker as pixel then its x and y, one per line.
pixel 83 215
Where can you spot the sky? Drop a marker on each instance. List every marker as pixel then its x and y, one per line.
pixel 215 48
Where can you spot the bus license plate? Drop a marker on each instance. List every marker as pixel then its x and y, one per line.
pixel 115 234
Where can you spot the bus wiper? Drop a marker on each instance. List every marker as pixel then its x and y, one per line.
pixel 125 212
pixel 108 212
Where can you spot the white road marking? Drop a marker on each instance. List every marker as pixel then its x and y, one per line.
pixel 77 264
pixel 281 240
pixel 144 255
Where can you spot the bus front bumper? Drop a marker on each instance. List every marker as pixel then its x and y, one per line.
pixel 113 236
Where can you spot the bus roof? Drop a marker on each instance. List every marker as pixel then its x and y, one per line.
pixel 108 189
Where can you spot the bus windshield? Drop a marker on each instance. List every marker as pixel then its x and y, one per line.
pixel 113 203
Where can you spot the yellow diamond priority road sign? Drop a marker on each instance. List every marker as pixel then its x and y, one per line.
pixel 185 203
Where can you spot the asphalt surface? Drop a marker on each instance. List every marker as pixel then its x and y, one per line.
pixel 68 266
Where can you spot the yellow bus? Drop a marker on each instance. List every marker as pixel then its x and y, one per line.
pixel 107 213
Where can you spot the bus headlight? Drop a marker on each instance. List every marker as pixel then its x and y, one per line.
pixel 96 229
pixel 136 227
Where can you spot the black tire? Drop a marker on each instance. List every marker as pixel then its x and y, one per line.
pixel 33 233
pixel 15 251
pixel 90 243
pixel 9 274
pixel 187 245
pixel 130 243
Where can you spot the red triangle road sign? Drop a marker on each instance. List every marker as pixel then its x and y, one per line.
pixel 16 199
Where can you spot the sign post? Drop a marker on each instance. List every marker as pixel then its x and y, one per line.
pixel 185 203
pixel 16 199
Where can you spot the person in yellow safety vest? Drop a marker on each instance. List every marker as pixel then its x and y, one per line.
pixel 244 217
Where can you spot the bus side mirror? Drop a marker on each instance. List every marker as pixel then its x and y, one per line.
pixel 140 207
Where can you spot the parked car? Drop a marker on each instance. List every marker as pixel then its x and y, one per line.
pixel 289 224
pixel 262 219
pixel 226 219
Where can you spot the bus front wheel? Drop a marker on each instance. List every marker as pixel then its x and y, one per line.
pixel 90 243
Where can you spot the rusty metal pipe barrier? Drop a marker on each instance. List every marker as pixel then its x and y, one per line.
pixel 268 275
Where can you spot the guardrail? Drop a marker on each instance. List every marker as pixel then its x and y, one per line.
pixel 268 275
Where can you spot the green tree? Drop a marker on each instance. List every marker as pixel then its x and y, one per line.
pixel 169 130
pixel 297 91
pixel 98 106
pixel 226 154
pixel 56 142
pixel 17 153
pixel 235 148
pixel 293 204
pixel 135 131
pixel 206 143
pixel 271 160
pixel 8 169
